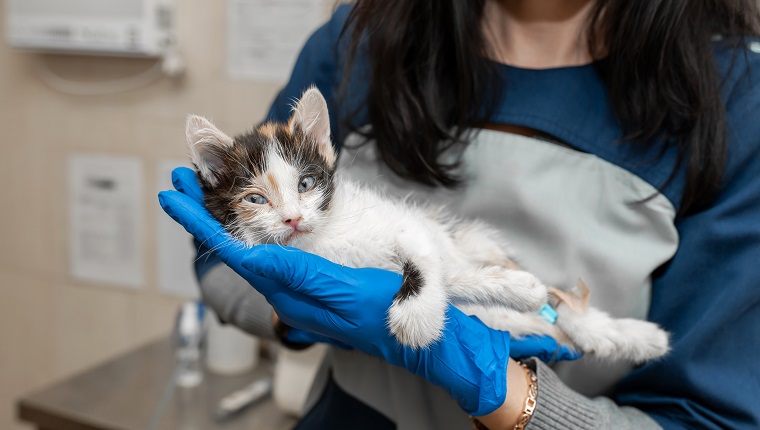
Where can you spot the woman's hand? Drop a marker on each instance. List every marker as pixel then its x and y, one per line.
pixel 350 305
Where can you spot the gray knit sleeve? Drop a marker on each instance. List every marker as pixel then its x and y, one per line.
pixel 236 302
pixel 559 407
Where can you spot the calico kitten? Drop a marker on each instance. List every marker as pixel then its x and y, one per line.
pixel 278 184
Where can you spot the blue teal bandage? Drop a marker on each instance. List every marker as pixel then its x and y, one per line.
pixel 548 313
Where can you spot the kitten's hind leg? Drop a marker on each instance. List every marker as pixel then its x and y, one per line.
pixel 482 244
pixel 608 338
pixel 418 313
pixel 497 286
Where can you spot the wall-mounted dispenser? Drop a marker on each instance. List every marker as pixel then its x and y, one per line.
pixel 110 27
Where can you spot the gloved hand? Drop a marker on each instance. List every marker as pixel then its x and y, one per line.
pixel 235 302
pixel 349 305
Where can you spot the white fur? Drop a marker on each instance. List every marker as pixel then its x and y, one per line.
pixel 417 321
pixel 462 262
pixel 593 331
pixel 496 285
pixel 615 339
pixel 366 228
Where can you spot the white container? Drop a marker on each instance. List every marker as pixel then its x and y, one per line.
pixel 294 373
pixel 229 350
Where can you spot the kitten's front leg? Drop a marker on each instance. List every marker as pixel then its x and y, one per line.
pixel 418 313
pixel 486 274
pixel 497 286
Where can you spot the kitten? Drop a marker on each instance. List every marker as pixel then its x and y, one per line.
pixel 278 184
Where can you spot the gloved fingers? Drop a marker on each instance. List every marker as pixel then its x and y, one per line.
pixel 304 336
pixel 295 310
pixel 185 181
pixel 309 319
pixel 544 347
pixel 567 353
pixel 290 267
pixel 318 278
pixel 192 216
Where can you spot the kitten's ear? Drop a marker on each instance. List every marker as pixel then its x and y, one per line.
pixel 310 113
pixel 205 143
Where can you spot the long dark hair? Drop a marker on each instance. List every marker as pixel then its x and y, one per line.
pixel 435 81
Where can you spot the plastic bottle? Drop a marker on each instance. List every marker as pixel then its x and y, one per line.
pixel 190 331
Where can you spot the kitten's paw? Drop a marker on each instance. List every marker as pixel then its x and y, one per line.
pixel 646 340
pixel 530 293
pixel 415 323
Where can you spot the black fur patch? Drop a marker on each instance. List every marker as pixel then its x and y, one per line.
pixel 412 283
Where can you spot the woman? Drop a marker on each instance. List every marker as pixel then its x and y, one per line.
pixel 614 140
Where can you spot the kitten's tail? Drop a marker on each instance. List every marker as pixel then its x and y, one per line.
pixel 607 338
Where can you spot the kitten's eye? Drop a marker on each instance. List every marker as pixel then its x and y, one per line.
pixel 307 183
pixel 256 199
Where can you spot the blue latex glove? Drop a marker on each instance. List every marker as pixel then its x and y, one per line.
pixel 349 305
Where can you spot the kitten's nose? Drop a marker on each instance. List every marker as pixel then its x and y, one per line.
pixel 292 221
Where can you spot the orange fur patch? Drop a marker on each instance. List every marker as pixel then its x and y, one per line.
pixel 273 185
pixel 577 298
pixel 291 124
pixel 268 130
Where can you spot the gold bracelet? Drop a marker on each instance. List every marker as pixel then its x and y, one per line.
pixel 530 402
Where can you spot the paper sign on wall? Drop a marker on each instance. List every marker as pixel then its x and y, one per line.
pixel 265 36
pixel 104 219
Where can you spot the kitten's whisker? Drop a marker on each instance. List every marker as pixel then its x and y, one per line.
pixel 207 254
pixel 221 245
pixel 211 237
pixel 350 163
